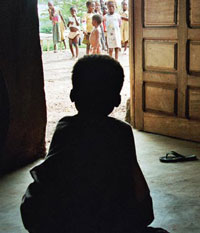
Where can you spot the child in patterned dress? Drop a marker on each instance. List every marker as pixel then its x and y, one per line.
pixel 113 23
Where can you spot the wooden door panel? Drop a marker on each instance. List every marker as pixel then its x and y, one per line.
pixel 194 103
pixel 160 13
pixel 194 13
pixel 166 78
pixel 160 55
pixel 194 57
pixel 160 98
pixel 172 126
pixel 167 67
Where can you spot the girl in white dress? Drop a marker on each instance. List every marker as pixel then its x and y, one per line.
pixel 113 23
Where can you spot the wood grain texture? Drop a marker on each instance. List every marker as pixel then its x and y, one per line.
pixel 160 98
pixel 194 13
pixel 160 13
pixel 172 126
pixel 193 34
pixel 194 103
pixel 160 55
pixel 194 57
pixel 160 77
pixel 182 54
pixel 161 33
pixel 132 62
pixel 167 69
pixel 138 8
pixel 193 81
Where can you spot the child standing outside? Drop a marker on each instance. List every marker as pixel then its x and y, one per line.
pixel 95 36
pixel 87 20
pixel 99 11
pixel 113 23
pixel 73 24
pixel 98 8
pixel 90 181
pixel 58 25
pixel 125 25
pixel 105 11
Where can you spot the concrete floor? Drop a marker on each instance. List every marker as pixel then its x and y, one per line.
pixel 175 188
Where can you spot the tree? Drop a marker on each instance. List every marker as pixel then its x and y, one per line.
pixel 64 6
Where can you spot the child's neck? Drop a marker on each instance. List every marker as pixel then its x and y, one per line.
pixel 89 11
pixel 111 13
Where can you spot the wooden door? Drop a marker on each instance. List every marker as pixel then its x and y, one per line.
pixel 165 65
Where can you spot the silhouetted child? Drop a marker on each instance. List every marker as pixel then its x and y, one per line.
pixel 95 36
pixel 90 181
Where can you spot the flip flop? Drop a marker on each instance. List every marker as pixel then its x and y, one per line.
pixel 155 230
pixel 172 157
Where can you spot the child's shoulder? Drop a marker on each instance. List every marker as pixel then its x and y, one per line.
pixel 65 121
pixel 64 124
pixel 121 125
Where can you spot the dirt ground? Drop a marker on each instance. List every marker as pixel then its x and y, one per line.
pixel 57 77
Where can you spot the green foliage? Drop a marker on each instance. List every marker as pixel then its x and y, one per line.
pixel 45 23
pixel 64 6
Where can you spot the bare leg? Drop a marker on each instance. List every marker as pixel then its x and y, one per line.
pixel 125 46
pixel 111 52
pixel 71 47
pixel 116 53
pixel 88 49
pixel 75 41
pixel 55 48
pixel 64 44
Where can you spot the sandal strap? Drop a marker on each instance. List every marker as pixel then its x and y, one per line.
pixel 175 154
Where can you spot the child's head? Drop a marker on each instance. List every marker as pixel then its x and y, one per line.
pixel 97 81
pixel 52 11
pixel 97 6
pixel 105 10
pixel 73 10
pixel 90 6
pixel 124 5
pixel 50 4
pixel 96 20
pixel 111 7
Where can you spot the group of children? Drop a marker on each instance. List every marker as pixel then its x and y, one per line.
pixel 103 28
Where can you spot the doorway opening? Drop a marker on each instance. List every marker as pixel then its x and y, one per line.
pixel 57 69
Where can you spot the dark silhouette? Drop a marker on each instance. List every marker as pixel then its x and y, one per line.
pixel 90 181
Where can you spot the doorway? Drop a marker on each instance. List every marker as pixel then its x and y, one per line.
pixel 57 75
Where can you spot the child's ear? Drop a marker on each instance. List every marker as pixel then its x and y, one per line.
pixel 118 100
pixel 72 97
